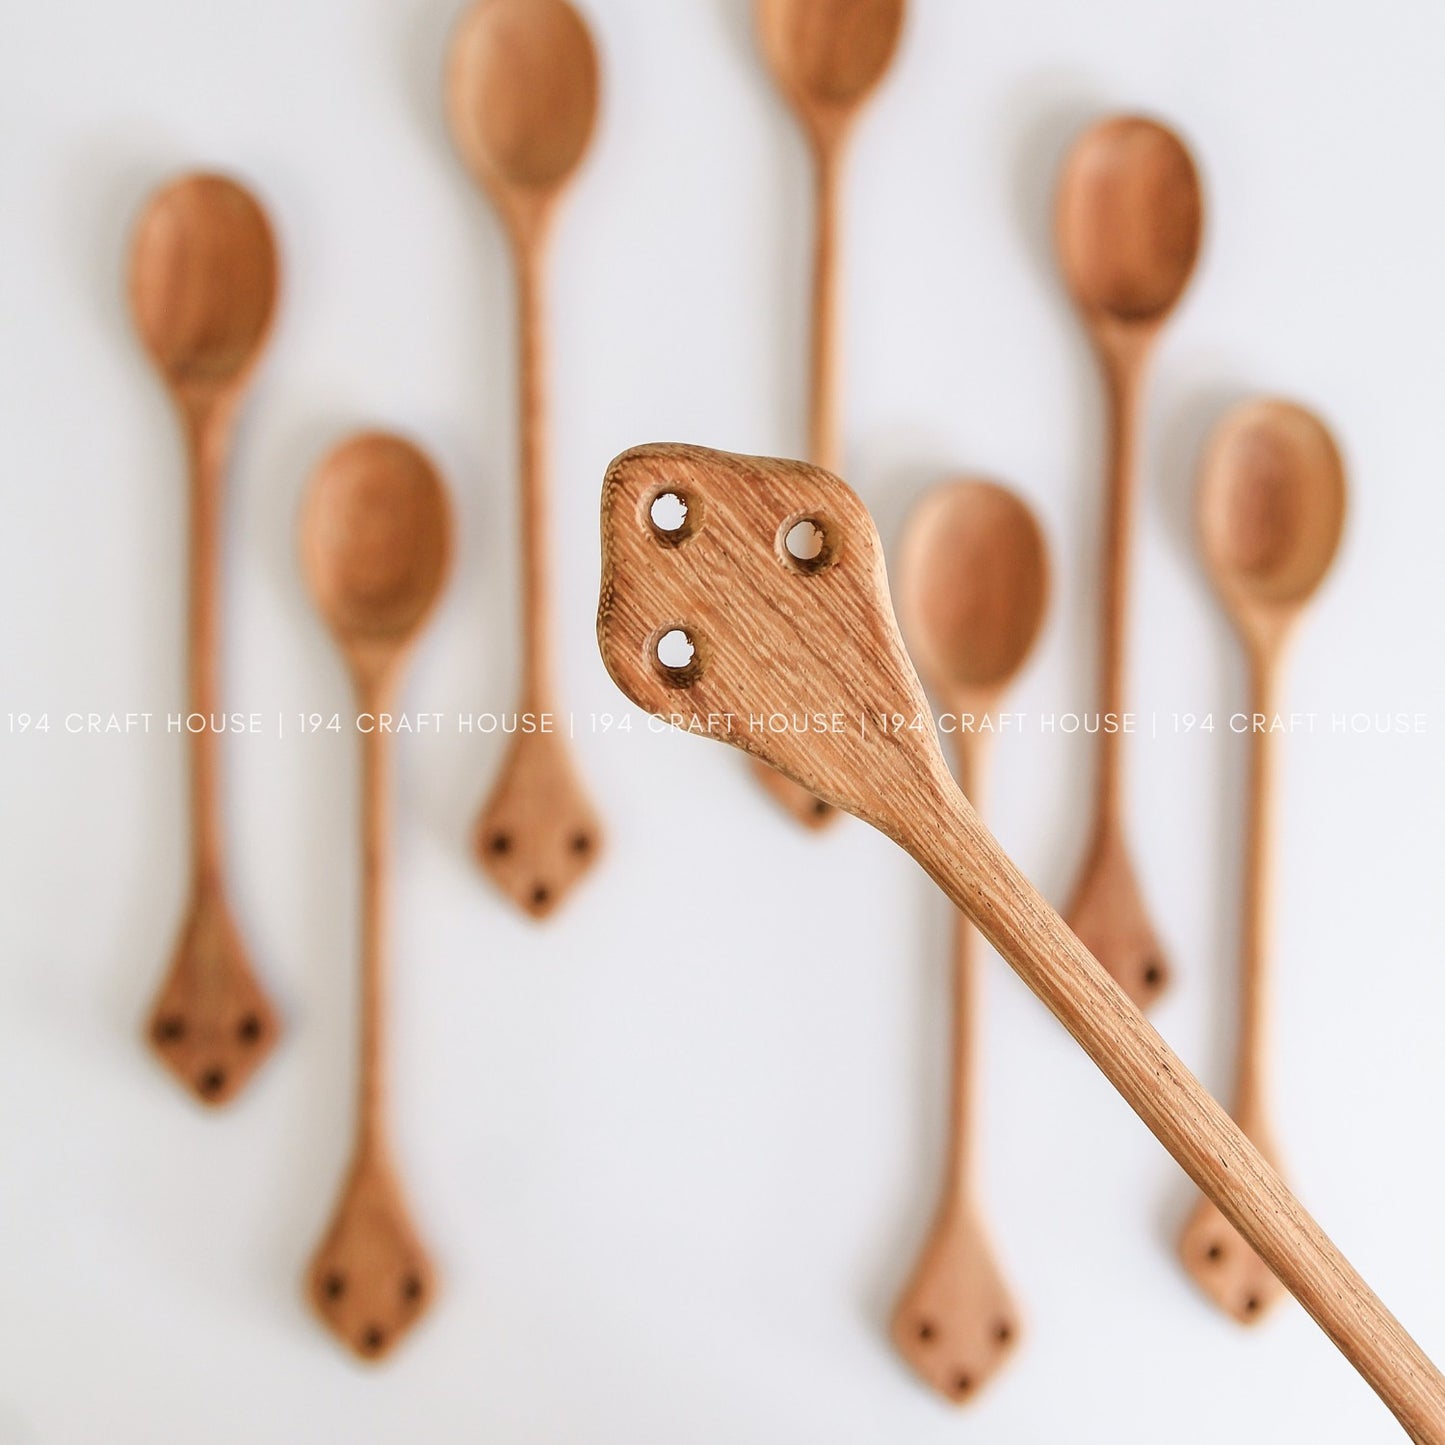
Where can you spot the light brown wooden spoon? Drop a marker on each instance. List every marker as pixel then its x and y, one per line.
pixel 375 546
pixel 1128 226
pixel 975 581
pixel 522 96
pixel 1271 512
pixel 745 603
pixel 827 57
pixel 203 284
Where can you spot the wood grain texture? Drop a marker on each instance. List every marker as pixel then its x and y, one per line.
pixel 974 588
pixel 522 98
pixel 1128 225
pixel 376 546
pixel 1270 515
pixel 771 638
pixel 204 277
pixel 827 57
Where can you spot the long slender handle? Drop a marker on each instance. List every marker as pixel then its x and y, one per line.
pixel 824 447
pixel 531 250
pixel 966 862
pixel 1249 1100
pixel 207 430
pixel 971 749
pixel 372 1124
pixel 1124 373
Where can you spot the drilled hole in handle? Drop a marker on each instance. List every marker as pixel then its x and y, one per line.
pixel 676 656
pixel 806 544
pixel 672 516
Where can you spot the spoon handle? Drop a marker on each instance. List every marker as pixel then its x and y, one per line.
pixel 534 467
pixel 972 749
pixel 824 446
pixel 375 914
pixel 1250 1091
pixel 211 1023
pixel 963 858
pixel 207 429
pixel 371 1279
pixel 1124 373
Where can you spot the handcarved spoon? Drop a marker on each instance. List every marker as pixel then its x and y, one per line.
pixel 728 588
pixel 203 283
pixel 1128 228
pixel 1271 511
pixel 522 102
pixel 375 545
pixel 975 580
pixel 828 57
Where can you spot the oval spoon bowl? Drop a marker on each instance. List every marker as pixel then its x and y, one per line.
pixel 1130 219
pixel 973 586
pixel 375 540
pixel 829 55
pixel 522 94
pixel 204 280
pixel 1271 506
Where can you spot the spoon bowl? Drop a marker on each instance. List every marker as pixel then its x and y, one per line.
pixel 203 280
pixel 522 96
pixel 828 55
pixel 1271 507
pixel 375 541
pixel 973 587
pixel 1129 220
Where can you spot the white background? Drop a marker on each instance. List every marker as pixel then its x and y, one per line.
pixel 675 1150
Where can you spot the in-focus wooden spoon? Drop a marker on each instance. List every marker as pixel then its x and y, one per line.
pixel 203 283
pixel 975 581
pixel 1128 224
pixel 375 546
pixel 741 600
pixel 1271 511
pixel 828 57
pixel 522 95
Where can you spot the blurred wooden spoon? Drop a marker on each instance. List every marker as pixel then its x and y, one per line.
pixel 1271 511
pixel 973 588
pixel 1128 226
pixel 828 57
pixel 522 98
pixel 375 545
pixel 203 283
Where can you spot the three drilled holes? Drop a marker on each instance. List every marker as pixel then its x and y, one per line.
pixel 803 544
pixel 211 1083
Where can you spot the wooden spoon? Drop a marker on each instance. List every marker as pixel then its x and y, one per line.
pixel 1128 229
pixel 203 283
pixel 828 57
pixel 1271 511
pixel 375 546
pixel 975 585
pixel 522 101
pixel 743 602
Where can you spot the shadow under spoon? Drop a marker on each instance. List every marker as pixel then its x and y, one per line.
pixel 203 285
pixel 973 588
pixel 1128 225
pixel 522 99
pixel 375 547
pixel 1271 512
